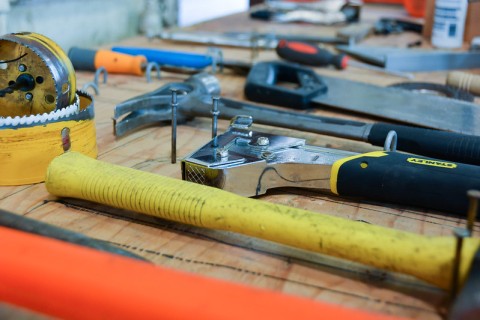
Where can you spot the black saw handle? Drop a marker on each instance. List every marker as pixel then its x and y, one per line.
pixel 406 179
pixel 283 84
pixel 432 143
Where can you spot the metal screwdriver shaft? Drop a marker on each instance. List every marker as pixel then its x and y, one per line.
pixel 174 125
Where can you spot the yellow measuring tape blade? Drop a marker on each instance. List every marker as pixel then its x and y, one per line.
pixel 427 258
pixel 26 152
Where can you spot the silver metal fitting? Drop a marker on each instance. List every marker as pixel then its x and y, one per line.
pixel 263 141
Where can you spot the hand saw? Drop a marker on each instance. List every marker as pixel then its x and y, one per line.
pixel 395 104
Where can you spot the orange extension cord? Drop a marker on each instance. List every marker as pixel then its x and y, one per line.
pixel 72 282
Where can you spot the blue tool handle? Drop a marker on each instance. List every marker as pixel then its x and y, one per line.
pixel 169 58
pixel 433 143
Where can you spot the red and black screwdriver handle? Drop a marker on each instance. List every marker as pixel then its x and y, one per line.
pixel 309 54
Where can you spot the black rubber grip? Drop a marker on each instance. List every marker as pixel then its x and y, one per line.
pixel 432 143
pixel 265 79
pixel 82 59
pixel 408 180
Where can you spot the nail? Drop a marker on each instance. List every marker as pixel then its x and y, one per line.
pixel 174 125
pixel 215 114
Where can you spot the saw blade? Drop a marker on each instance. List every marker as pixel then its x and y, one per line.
pixel 399 105
pixel 37 75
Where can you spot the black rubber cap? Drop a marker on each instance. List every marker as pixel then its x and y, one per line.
pixel 82 59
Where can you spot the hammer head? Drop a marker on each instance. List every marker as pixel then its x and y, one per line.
pixel 205 83
pixel 154 107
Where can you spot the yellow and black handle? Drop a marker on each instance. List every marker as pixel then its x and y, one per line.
pixel 406 179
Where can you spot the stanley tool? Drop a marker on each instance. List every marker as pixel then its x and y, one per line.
pixel 249 163
pixel 430 258
pixel 194 100
pixel 263 85
pixel 39 107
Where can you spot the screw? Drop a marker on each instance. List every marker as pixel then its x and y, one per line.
pixel 263 141
pixel 22 68
pixel 29 96
pixel 223 153
pixel 174 125
pixel 215 114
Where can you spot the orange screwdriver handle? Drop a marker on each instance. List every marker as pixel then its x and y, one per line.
pixel 113 62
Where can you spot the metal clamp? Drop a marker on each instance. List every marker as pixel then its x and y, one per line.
pixel 390 141
pixel 148 71
pixel 217 58
pixel 94 84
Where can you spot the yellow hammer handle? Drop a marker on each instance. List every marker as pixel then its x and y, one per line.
pixel 428 258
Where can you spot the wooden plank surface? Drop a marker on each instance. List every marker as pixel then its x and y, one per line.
pixel 229 256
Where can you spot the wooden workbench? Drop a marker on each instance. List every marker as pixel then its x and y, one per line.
pixel 229 256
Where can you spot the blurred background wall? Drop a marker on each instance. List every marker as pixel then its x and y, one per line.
pixel 90 23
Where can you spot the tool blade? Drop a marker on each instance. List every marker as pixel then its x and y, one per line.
pixel 399 105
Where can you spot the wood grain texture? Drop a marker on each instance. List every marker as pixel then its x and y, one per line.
pixel 229 256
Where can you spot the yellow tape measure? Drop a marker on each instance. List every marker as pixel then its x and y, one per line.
pixel 26 151
pixel 38 99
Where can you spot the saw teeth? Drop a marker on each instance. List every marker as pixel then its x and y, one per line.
pixel 41 118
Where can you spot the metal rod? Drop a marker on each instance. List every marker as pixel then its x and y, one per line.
pixel 473 195
pixel 174 125
pixel 460 234
pixel 215 114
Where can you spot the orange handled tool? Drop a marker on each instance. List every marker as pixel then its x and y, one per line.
pixel 113 62
pixel 72 282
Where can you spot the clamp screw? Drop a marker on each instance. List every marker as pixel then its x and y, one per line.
pixel 263 141
pixel 22 68
pixel 29 96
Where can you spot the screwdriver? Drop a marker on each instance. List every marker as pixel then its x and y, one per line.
pixel 180 59
pixel 113 62
pixel 312 55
